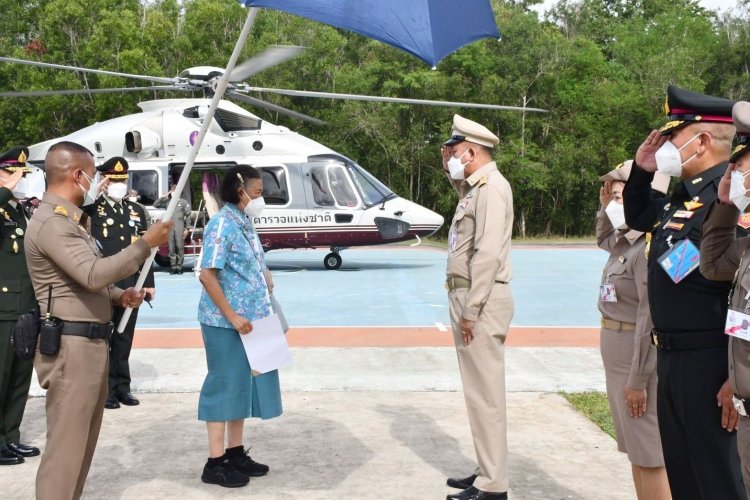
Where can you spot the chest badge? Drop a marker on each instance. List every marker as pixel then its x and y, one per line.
pixel 693 204
pixel 744 221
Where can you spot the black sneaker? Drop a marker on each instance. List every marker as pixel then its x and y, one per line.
pixel 242 462
pixel 223 473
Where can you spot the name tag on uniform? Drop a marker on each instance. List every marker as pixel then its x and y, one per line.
pixel 680 260
pixel 683 214
pixel 738 324
pixel 607 293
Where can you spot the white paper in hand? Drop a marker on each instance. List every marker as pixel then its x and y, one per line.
pixel 266 346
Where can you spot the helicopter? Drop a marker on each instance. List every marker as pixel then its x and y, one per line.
pixel 315 197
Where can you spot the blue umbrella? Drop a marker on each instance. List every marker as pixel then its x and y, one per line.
pixel 427 29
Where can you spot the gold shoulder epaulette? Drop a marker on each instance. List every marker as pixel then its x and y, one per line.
pixel 59 209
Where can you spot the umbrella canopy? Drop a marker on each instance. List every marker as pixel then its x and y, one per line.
pixel 427 29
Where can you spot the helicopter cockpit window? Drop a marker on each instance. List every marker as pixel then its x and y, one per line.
pixel 372 190
pixel 146 182
pixel 341 188
pixel 321 191
pixel 275 186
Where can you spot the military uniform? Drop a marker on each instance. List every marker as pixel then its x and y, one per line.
pixel 61 254
pixel 478 272
pixel 181 217
pixel 16 298
pixel 724 257
pixel 115 225
pixel 688 316
pixel 625 338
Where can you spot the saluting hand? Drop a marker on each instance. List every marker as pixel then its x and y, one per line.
pixel 131 298
pixel 446 155
pixel 645 156
pixel 241 324
pixel 12 181
pixel 158 233
pixel 726 181
pixel 636 401
pixel 605 193
pixel 467 330
pixel 730 419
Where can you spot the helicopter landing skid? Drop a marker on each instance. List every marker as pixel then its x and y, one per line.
pixel 333 260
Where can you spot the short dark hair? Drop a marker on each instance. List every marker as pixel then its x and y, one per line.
pixel 231 183
pixel 71 147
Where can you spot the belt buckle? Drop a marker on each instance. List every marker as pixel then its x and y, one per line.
pixel 739 405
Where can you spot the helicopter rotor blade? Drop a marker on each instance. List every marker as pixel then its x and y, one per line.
pixel 358 97
pixel 42 93
pixel 266 59
pixel 38 64
pixel 274 107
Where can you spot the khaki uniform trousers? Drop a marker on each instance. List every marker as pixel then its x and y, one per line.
pixel 76 383
pixel 482 365
pixel 743 447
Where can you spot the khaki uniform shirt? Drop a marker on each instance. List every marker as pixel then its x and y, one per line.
pixel 627 270
pixel 479 237
pixel 60 252
pixel 725 257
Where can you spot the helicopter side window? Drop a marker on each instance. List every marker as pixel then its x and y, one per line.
pixel 275 186
pixel 341 188
pixel 146 182
pixel 321 192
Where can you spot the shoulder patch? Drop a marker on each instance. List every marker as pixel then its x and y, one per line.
pixel 61 210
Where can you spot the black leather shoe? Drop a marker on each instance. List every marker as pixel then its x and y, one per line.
pixel 111 403
pixel 461 484
pixel 128 399
pixel 224 475
pixel 471 493
pixel 242 462
pixel 7 457
pixel 24 450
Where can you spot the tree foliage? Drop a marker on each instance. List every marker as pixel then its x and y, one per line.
pixel 600 67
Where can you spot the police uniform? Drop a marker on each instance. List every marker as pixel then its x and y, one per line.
pixel 478 272
pixel 180 217
pixel 700 457
pixel 16 298
pixel 115 225
pixel 61 254
pixel 625 337
pixel 725 257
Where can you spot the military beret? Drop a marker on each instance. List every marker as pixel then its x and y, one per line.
pixel 684 107
pixel 467 130
pixel 622 171
pixel 15 159
pixel 741 116
pixel 116 168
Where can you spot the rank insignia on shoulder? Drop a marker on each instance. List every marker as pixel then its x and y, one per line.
pixel 744 221
pixel 674 225
pixel 683 214
pixel 61 210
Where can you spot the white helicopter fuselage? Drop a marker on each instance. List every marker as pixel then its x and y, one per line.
pixel 314 196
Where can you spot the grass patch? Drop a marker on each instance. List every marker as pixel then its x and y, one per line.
pixel 594 406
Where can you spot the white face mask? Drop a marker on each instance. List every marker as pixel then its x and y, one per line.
pixel 668 159
pixel 255 207
pixel 117 190
pixel 737 191
pixel 21 188
pixel 89 196
pixel 456 168
pixel 616 213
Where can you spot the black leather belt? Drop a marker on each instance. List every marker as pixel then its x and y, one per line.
pixel 688 340
pixel 88 330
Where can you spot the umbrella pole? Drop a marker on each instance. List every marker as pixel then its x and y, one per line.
pixel 219 93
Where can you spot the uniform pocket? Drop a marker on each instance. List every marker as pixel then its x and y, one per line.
pixel 10 297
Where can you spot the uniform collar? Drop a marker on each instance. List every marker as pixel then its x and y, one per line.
pixel 631 236
pixel 73 212
pixel 481 172
pixel 112 202
pixel 695 184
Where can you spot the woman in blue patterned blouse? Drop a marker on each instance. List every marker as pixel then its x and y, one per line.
pixel 235 293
